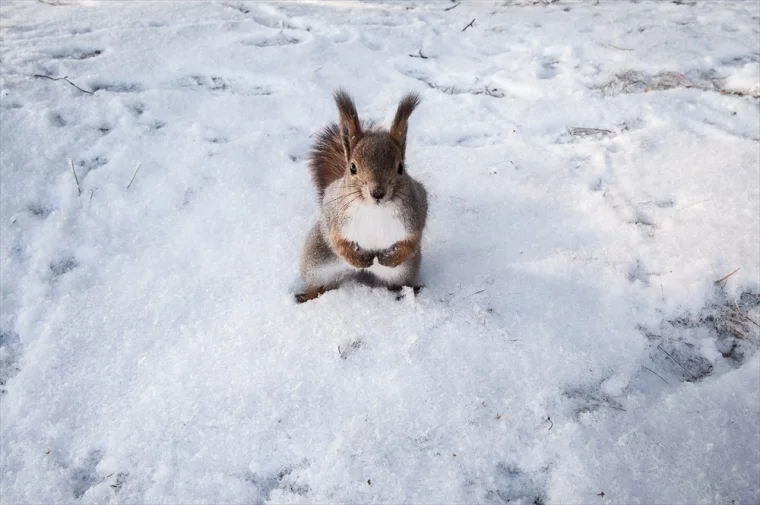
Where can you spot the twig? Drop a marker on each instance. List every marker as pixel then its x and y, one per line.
pixel 582 162
pixel 693 204
pixel 618 48
pixel 419 55
pixel 751 320
pixel 79 188
pixel 134 175
pixel 676 362
pixel 610 406
pixel 65 78
pixel 469 25
pixel 723 279
pixel 452 7
pixel 658 375
pixel 550 420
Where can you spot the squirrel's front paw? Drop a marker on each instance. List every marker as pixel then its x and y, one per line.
pixel 361 258
pixel 390 257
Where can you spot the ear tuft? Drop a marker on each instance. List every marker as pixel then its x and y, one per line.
pixel 400 124
pixel 348 120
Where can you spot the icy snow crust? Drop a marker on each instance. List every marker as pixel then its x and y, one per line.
pixel 151 350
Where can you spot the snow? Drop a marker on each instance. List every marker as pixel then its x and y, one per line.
pixel 592 171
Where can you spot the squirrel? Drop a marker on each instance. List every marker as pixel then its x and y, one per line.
pixel 371 211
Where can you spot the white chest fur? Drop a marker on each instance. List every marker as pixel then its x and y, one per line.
pixel 374 227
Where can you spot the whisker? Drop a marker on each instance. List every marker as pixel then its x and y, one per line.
pixel 346 205
pixel 338 198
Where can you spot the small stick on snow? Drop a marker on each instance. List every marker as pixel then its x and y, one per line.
pixel 65 78
pixel 452 7
pixel 469 25
pixel 693 204
pixel 658 375
pixel 134 175
pixel 419 55
pixel 79 188
pixel 676 362
pixel 550 420
pixel 618 48
pixel 582 162
pixel 723 280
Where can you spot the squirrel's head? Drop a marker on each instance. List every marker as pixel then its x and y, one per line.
pixel 375 157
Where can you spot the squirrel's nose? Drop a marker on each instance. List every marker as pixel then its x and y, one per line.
pixel 378 193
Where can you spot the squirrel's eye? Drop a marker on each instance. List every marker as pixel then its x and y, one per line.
pixel 353 168
pixel 400 168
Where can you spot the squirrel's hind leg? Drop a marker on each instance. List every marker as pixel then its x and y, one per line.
pixel 321 269
pixel 310 294
pixel 405 275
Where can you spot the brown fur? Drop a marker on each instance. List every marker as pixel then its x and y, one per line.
pixel 310 294
pixel 354 160
pixel 326 160
pixel 335 143
pixel 351 253
pixel 400 123
pixel 401 252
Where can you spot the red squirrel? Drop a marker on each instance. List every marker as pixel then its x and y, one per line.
pixel 371 211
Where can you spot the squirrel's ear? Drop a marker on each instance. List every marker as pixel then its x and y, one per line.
pixel 350 127
pixel 401 120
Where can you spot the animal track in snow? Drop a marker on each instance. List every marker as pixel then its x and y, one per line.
pixel 547 69
pixel 349 348
pixel 56 119
pixel 635 81
pixel 86 166
pixel 589 398
pixel 10 354
pixel 38 210
pixel 514 485
pixel 453 89
pixel 10 104
pixel 77 53
pixel 732 325
pixel 84 476
pixel 63 266
pixel 216 83
pixel 138 108
pixel 281 40
pixel 372 45
pixel 116 87
pixel 280 480
pixel 681 360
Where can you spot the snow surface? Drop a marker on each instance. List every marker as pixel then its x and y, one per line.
pixel 150 347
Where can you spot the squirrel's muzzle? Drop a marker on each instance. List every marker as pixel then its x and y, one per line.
pixel 378 193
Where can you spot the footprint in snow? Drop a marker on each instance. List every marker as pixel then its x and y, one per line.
pixel 116 87
pixel 85 476
pixel 279 41
pixel 77 53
